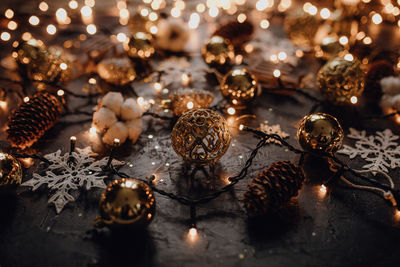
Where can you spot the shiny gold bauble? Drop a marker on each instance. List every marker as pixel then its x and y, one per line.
pixel 218 51
pixel 320 132
pixel 201 137
pixel 239 87
pixel 32 50
pixel 339 80
pixel 10 170
pixel 301 27
pixel 187 99
pixel 140 46
pixel 118 71
pixel 127 202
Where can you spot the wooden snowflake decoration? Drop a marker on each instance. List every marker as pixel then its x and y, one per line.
pixel 69 172
pixel 273 129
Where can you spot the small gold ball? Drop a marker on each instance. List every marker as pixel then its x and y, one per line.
pixel 301 27
pixel 140 46
pixel 201 137
pixel 320 132
pixel 239 87
pixel 32 50
pixel 10 170
pixel 218 51
pixel 187 99
pixel 340 79
pixel 127 202
pixel 117 71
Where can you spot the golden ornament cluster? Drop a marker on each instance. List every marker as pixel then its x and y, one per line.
pixel 10 170
pixel 239 87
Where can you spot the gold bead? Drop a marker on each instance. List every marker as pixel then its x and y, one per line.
pixel 140 46
pixel 320 132
pixel 201 137
pixel 117 71
pixel 239 87
pixel 10 170
pixel 184 100
pixel 340 79
pixel 218 51
pixel 127 202
pixel 301 27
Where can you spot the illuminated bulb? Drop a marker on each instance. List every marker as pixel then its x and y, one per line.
pixel 185 79
pixel 282 56
pixel 241 18
pixel 180 4
pixel 12 25
pixel 157 86
pixel 264 24
pixel 249 48
pixel 194 21
pixel 238 59
pixel 277 73
pixel 92 131
pixel 92 81
pixel 274 58
pixel 72 138
pixel 153 29
pixel 213 11
pixel 5 36
pixel 121 37
pixel 3 104
pixel 61 15
pixel 116 141
pixel 43 6
pixel 140 101
pixel 63 66
pixel 33 20
pixel 73 4
pixel 377 19
pixel 153 16
pixel 9 13
pixel 86 11
pixel 349 57
pixel 231 111
pixel 144 12
pixel 26 99
pixel 121 5
pixel 313 10
pixel 51 29
pixel 354 100
pixel 261 5
pixel 90 3
pixel 325 13
pixel 192 233
pixel 241 127
pixel 190 105
pixel 175 12
pixel 299 53
pixel 26 36
pixel 200 8
pixel 60 92
pixel 91 29
pixel 367 40
pixel 343 40
pixel 398 213
pixel 323 189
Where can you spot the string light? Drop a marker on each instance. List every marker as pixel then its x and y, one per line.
pixel 194 21
pixel 62 16
pixel 9 13
pixel 60 92
pixel 73 4
pixel 175 12
pixel 3 104
pixel 354 100
pixel 91 29
pixel 231 111
pixel 241 18
pixel 277 73
pixel 213 12
pixel 121 37
pixel 12 25
pixel 264 24
pixel 377 18
pixel 43 6
pixel 51 29
pixel 322 191
pixel 192 234
pixel 34 20
pixel 26 99
pixel 5 36
pixel 325 13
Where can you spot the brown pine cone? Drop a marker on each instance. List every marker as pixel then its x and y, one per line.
pixel 273 188
pixel 236 32
pixel 29 122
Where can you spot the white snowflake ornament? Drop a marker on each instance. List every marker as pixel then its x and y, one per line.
pixel 70 172
pixel 273 129
pixel 380 150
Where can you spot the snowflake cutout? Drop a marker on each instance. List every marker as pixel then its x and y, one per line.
pixel 70 172
pixel 380 150
pixel 173 68
pixel 273 129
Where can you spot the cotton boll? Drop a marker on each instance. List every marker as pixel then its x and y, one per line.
pixel 390 85
pixel 104 118
pixel 130 110
pixel 113 101
pixel 118 130
pixel 134 129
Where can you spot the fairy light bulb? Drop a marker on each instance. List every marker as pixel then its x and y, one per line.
pixel 91 29
pixel 322 191
pixel 213 11
pixel 26 99
pixel 121 37
pixel 277 73
pixel 354 100
pixel 3 104
pixel 51 29
pixel 377 19
pixel 5 36
pixel 157 87
pixel 73 4
pixel 231 111
pixel 43 6
pixel 9 13
pixel 192 234
pixel 34 20
pixel 12 25
pixel 175 12
pixel 61 16
pixel 325 13
pixel 190 105
pixel 241 18
pixel 264 24
pixel 194 21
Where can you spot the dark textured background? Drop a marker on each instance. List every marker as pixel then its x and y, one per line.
pixel 343 228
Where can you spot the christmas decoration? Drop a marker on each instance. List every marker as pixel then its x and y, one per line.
pixel 239 87
pixel 237 33
pixel 375 73
pixel 301 27
pixel 320 132
pixel 127 202
pixel 273 129
pixel 391 94
pixel 10 170
pixel 218 52
pixel 117 71
pixel 70 171
pixel 200 137
pixel 186 99
pixel 118 118
pixel 140 46
pixel 340 80
pixel 330 47
pixel 29 122
pixel 172 35
pixel 273 188
pixel 380 150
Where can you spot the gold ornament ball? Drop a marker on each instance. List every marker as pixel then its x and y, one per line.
pixel 239 87
pixel 140 46
pixel 10 170
pixel 331 47
pixel 320 132
pixel 187 99
pixel 117 71
pixel 218 51
pixel 31 51
pixel 301 27
pixel 340 79
pixel 201 137
pixel 127 202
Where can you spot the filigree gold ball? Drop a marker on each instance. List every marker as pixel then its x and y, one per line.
pixel 118 71
pixel 239 87
pixel 140 46
pixel 127 202
pixel 320 132
pixel 10 170
pixel 187 99
pixel 340 80
pixel 301 27
pixel 201 137
pixel 218 51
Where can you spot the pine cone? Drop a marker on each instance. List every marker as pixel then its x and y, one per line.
pixel 236 32
pixel 32 119
pixel 273 188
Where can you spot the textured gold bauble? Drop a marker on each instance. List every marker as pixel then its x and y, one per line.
pixel 201 137
pixel 118 71
pixel 239 87
pixel 339 80
pixel 127 202
pixel 301 27
pixel 140 46
pixel 320 132
pixel 187 99
pixel 218 51
pixel 10 170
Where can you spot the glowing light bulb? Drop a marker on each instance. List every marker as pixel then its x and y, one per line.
pixel 92 131
pixel 241 18
pixel 190 105
pixel 200 8
pixel 5 36
pixel 192 234
pixel 3 104
pixel 194 21
pixel 354 100
pixel 277 73
pixel 185 79
pixel 63 66
pixel 43 6
pixel 325 13
pixel 51 29
pixel 213 12
pixel 12 25
pixel 34 20
pixel 175 12
pixel 121 37
pixel 60 92
pixel 264 24
pixel 349 57
pixel 26 99
pixel 377 18
pixel 282 56
pixel 9 13
pixel 73 4
pixel 231 111
pixel 157 86
pixel 61 16
pixel 323 189
pixel 91 29
pixel 343 40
